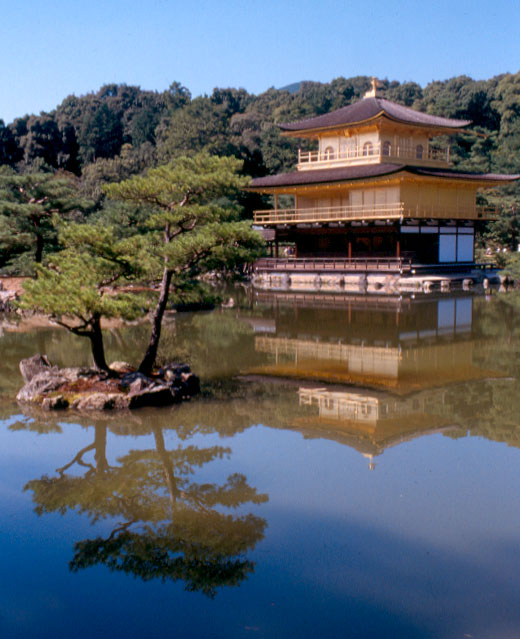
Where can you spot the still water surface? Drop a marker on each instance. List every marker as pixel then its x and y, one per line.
pixel 351 470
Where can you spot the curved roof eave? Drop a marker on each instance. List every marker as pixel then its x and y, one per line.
pixel 318 177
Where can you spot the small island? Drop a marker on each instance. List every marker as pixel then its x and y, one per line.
pixel 87 389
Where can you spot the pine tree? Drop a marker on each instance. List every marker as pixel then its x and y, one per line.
pixel 29 206
pixel 191 230
pixel 76 288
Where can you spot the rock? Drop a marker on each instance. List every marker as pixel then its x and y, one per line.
pixel 101 401
pixel 172 372
pixel 190 385
pixel 155 396
pixel 138 385
pixel 73 374
pixel 121 367
pixel 87 389
pixel 33 366
pixel 55 403
pixel 45 382
pixel 39 385
pixel 135 382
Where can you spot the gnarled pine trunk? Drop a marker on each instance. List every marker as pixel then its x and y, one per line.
pixel 148 362
pixel 96 342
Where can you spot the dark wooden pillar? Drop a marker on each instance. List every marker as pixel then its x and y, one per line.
pixel 398 248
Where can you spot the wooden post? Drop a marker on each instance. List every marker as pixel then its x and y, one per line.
pixel 349 251
pixel 398 251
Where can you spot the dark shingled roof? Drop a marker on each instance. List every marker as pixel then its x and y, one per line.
pixel 347 173
pixel 369 108
pixel 316 176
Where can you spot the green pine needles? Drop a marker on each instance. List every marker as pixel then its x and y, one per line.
pixel 190 228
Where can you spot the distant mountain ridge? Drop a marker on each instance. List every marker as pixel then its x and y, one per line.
pixel 294 87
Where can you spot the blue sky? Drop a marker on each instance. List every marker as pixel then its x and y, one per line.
pixel 52 48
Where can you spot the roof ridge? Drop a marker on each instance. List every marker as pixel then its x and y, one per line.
pixel 369 108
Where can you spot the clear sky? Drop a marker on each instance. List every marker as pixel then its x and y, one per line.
pixel 52 48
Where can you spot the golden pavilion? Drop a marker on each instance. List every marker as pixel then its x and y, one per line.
pixel 378 194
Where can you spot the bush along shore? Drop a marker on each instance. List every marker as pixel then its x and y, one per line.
pixel 86 389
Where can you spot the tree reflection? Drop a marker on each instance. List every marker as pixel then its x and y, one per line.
pixel 169 526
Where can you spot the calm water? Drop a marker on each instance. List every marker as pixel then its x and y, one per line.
pixel 359 478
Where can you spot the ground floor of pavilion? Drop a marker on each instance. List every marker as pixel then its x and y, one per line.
pixel 416 242
pixel 411 255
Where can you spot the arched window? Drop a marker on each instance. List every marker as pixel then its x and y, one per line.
pixel 419 151
pixel 368 148
pixel 328 154
pixel 387 148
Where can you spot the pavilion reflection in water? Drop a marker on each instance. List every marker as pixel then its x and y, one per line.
pixel 373 378
pixel 371 422
pixel 423 344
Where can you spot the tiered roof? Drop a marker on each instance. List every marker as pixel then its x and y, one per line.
pixel 370 109
pixel 362 113
pixel 365 171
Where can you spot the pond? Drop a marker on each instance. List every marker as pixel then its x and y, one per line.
pixel 351 469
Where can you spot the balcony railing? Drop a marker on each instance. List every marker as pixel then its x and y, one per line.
pixel 374 153
pixel 334 264
pixel 392 211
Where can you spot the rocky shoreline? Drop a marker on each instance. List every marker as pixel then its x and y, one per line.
pixel 86 389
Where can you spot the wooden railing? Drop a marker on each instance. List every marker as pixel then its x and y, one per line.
pixel 396 210
pixel 335 264
pixel 375 151
pixel 329 214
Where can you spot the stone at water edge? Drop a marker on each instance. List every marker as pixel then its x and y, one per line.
pixel 121 367
pixel 33 366
pixel 134 382
pixel 155 396
pixel 55 403
pixel 44 382
pixel 101 401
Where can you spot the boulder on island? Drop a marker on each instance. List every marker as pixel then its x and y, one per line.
pixel 86 389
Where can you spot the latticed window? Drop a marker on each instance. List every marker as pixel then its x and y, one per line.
pixel 419 151
pixel 387 148
pixel 368 149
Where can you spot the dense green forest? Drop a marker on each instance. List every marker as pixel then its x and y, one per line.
pixel 121 131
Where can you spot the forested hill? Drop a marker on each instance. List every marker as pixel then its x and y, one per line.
pixel 146 127
pixel 122 130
